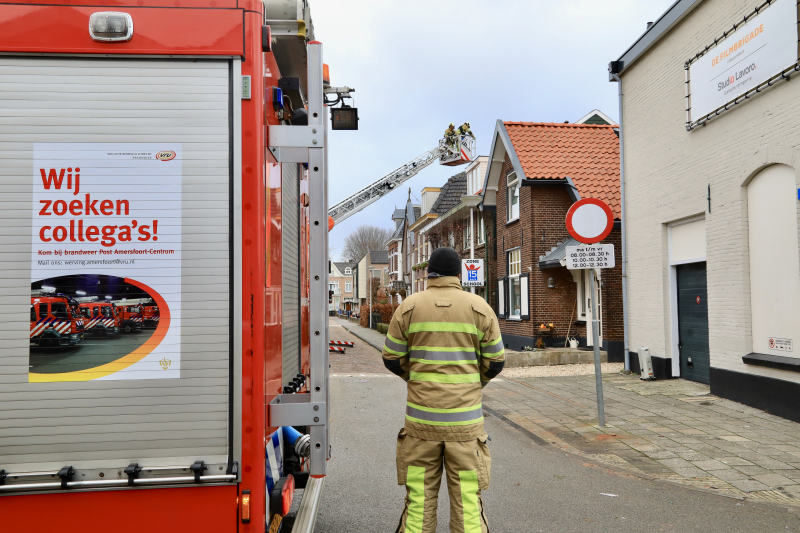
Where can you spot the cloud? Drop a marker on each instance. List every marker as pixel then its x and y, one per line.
pixel 418 65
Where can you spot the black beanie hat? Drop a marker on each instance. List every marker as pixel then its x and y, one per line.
pixel 445 262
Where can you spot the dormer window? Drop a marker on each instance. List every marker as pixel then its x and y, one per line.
pixel 348 271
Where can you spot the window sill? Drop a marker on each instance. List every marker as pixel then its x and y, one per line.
pixel 779 362
pixel 509 222
pixel 514 319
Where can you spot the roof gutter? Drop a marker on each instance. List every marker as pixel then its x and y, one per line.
pixel 623 228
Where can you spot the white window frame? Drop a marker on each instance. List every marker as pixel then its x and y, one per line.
pixel 512 183
pixel 513 271
pixel 466 234
pixel 348 286
pixel 481 231
pixel 348 270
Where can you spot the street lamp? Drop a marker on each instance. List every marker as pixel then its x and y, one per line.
pixel 471 201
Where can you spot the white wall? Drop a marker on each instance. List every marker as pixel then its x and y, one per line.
pixel 688 242
pixel 427 199
pixel 774 266
pixel 668 171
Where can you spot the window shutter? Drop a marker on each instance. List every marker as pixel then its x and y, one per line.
pixel 501 298
pixel 505 295
pixel 524 310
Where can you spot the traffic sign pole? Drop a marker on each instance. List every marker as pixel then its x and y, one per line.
pixel 598 375
pixel 590 221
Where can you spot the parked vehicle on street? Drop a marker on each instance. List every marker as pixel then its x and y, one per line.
pixel 101 319
pixel 53 322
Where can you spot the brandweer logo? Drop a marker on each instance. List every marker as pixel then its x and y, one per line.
pixel 739 75
pixel 168 155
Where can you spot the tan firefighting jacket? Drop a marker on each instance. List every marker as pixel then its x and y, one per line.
pixel 446 344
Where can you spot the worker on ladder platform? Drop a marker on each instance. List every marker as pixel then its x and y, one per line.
pixel 451 136
pixel 446 344
pixel 464 131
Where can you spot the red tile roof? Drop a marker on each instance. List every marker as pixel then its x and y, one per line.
pixel 587 153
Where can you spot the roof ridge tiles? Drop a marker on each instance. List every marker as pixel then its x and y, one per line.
pixel 557 124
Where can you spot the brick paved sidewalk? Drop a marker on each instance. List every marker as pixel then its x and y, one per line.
pixel 672 430
pixel 362 358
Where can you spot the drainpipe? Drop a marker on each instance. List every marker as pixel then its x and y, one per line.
pixel 623 225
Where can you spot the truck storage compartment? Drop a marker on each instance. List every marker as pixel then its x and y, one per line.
pixel 115 182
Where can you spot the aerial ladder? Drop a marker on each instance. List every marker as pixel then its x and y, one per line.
pixel 451 152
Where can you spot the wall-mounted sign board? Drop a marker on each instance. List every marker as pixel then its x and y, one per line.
pixel 753 52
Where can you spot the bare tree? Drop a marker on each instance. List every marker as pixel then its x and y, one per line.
pixel 364 239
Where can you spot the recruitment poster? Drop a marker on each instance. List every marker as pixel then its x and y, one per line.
pixel 106 262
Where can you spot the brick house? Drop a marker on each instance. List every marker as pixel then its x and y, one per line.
pixel 536 172
pixel 448 221
pixel 394 246
pixel 408 246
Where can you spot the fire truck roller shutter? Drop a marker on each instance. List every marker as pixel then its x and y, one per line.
pixel 290 235
pixel 103 425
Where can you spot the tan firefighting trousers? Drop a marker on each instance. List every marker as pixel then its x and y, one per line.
pixel 419 468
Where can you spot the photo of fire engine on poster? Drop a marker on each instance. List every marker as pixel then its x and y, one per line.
pixel 105 262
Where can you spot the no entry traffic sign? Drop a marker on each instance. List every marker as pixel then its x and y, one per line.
pixel 589 220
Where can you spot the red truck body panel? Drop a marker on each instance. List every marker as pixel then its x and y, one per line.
pixel 196 509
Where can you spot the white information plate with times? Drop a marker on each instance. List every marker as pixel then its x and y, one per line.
pixel 590 256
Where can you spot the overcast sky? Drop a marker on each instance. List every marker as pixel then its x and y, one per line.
pixel 418 65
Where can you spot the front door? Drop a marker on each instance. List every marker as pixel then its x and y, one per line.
pixel 587 284
pixel 693 322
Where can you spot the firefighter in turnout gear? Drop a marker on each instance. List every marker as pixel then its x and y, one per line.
pixel 446 344
pixel 451 136
pixel 464 131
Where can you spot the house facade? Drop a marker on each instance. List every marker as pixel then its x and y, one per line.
pixel 448 223
pixel 535 172
pixel 340 281
pixel 395 246
pixel 374 265
pixel 712 179
pixel 409 247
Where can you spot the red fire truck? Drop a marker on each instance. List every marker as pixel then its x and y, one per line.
pixel 130 317
pixel 234 90
pixel 53 322
pixel 150 316
pixel 100 318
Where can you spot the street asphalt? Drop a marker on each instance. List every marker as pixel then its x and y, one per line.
pixel 534 486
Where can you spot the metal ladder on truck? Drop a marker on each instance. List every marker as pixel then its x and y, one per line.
pixel 450 153
pixel 309 144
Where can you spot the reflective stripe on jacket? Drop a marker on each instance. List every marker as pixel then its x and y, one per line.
pixel 446 344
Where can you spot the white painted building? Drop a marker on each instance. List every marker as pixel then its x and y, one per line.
pixel 712 197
